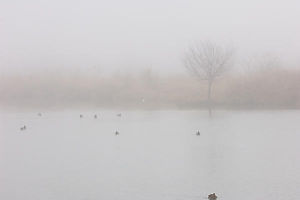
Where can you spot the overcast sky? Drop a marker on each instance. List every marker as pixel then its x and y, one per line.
pixel 138 33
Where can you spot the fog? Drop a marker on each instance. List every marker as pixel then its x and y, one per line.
pixel 256 89
pixel 149 100
pixel 133 34
pixel 115 53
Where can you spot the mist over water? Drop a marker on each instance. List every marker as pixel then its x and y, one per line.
pixel 239 155
pixel 153 100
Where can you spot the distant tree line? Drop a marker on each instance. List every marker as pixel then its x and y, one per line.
pixel 270 88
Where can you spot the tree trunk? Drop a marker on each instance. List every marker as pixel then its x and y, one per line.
pixel 209 103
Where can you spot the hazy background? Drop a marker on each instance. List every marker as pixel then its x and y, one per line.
pixel 42 41
pixel 74 65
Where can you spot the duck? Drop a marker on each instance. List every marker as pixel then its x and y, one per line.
pixel 198 133
pixel 117 133
pixel 212 196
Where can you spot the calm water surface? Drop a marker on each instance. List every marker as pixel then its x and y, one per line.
pixel 249 155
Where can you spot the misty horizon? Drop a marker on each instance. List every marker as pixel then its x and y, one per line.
pixel 140 34
pixel 149 100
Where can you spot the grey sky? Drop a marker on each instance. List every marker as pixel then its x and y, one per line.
pixel 137 33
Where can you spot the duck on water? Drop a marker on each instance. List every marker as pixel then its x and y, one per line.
pixel 212 196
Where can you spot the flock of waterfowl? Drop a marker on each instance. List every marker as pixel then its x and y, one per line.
pixel 81 116
pixel 212 196
pixel 96 116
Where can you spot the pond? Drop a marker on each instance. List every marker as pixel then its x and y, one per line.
pixel 157 155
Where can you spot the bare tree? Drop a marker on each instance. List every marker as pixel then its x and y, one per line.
pixel 207 61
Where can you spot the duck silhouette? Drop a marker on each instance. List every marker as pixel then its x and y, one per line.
pixel 212 196
pixel 117 133
pixel 198 133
